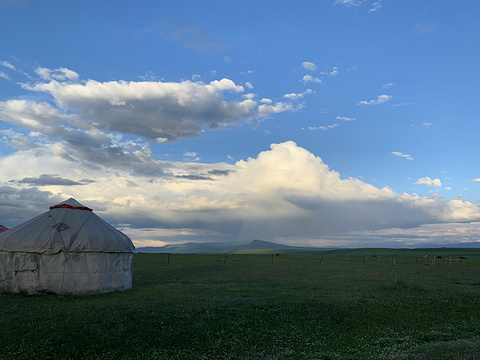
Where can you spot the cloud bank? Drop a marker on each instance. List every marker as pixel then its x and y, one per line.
pixel 284 192
pixel 96 140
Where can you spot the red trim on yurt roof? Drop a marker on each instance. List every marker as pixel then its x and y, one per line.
pixel 70 207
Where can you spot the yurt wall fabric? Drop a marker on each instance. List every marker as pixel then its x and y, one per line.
pixel 67 250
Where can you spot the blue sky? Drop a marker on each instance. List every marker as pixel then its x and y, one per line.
pixel 329 123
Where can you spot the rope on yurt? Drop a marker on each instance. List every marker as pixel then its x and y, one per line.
pixel 64 253
pixel 74 236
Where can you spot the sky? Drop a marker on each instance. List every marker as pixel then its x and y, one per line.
pixel 339 123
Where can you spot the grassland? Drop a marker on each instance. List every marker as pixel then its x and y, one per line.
pixel 344 305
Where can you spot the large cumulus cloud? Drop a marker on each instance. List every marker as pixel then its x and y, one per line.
pixel 288 191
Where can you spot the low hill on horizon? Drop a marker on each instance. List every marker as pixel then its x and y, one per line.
pixel 213 248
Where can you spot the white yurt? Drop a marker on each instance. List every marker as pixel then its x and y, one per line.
pixel 66 250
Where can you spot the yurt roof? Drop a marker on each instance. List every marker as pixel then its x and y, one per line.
pixel 68 226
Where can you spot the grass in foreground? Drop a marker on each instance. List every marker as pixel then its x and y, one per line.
pixel 259 307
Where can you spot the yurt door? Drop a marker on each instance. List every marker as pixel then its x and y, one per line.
pixel 26 272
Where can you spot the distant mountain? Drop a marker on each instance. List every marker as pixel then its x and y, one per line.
pixel 260 245
pixel 214 248
pixel 473 244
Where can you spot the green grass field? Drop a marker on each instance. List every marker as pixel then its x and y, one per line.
pixel 343 305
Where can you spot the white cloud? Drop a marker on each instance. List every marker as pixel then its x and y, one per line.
pixel 7 65
pixel 325 127
pixel 266 110
pixel 349 3
pixel 295 96
pixel 60 74
pixel 402 155
pixel 310 78
pixel 477 180
pixel 14 68
pixel 375 6
pixel 429 182
pixel 249 85
pixel 309 66
pixel 402 104
pixel 356 3
pixel 381 99
pixel 345 118
pixel 4 76
pixel 387 85
pixel 333 72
